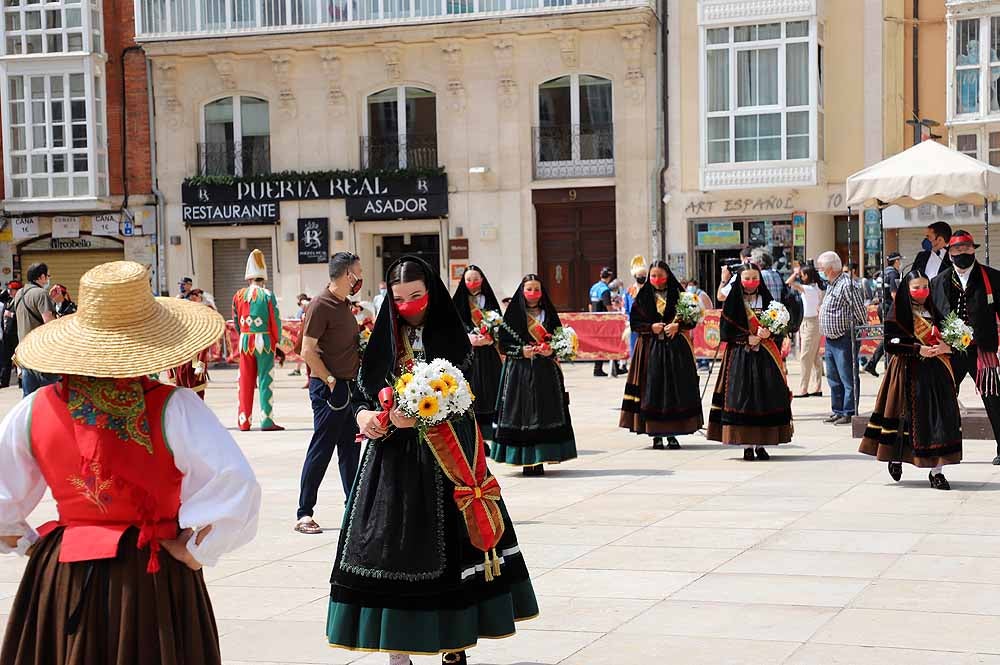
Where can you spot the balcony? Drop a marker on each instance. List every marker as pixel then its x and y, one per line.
pixel 414 151
pixel 179 19
pixel 245 158
pixel 574 151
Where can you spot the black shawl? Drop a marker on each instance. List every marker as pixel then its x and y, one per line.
pixel 516 319
pixel 733 323
pixel 444 335
pixel 644 314
pixel 462 295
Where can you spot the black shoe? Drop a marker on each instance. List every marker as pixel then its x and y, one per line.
pixel 896 470
pixel 832 419
pixel 870 368
pixel 843 420
pixel 819 394
pixel 762 454
pixel 673 443
pixel 533 471
pixel 600 372
pixel 938 481
pixel 996 461
pixel 657 443
pixel 457 658
pixel 748 455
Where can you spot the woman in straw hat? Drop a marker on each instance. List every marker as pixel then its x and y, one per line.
pixel 148 484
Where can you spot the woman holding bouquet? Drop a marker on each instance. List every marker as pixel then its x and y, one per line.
pixel 533 423
pixel 407 578
pixel 751 405
pixel 661 394
pixel 478 308
pixel 916 417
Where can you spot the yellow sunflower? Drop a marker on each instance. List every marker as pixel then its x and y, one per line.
pixel 439 386
pixel 450 380
pixel 403 382
pixel 472 395
pixel 966 340
pixel 428 407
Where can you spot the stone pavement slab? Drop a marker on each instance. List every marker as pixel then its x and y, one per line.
pixel 690 556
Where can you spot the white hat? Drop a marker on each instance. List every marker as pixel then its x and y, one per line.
pixel 256 268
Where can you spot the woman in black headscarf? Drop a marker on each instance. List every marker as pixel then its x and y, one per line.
pixel 533 423
pixel 751 405
pixel 407 578
pixel 473 298
pixel 916 418
pixel 661 394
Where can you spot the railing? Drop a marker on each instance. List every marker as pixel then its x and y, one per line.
pixel 252 156
pixel 169 19
pixel 415 151
pixel 574 151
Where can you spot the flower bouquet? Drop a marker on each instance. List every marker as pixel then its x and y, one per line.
pixel 690 311
pixel 432 392
pixel 490 325
pixel 565 344
pixel 956 333
pixel 363 338
pixel 776 318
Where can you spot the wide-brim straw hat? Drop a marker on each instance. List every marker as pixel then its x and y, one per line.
pixel 121 330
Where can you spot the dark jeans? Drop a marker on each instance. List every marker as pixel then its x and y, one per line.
pixel 334 427
pixel 842 374
pixel 965 364
pixel 32 381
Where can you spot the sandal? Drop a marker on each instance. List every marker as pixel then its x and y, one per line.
pixel 308 527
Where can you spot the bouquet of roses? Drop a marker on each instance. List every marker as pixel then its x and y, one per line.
pixel 776 318
pixel 690 311
pixel 432 392
pixel 565 344
pixel 490 325
pixel 956 333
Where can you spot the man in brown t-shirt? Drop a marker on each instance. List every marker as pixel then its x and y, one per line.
pixel 330 348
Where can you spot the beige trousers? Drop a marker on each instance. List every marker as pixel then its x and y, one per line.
pixel 809 356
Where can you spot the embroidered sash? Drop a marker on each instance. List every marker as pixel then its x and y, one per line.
pixel 475 311
pixel 661 304
pixel 928 335
pixel 987 362
pixel 537 330
pixel 768 344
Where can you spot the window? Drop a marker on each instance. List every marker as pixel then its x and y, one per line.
pixel 759 92
pixel 976 67
pixel 237 137
pixel 402 129
pixel 55 137
pixel 968 145
pixel 967 66
pixel 575 125
pixel 38 26
pixel 994 156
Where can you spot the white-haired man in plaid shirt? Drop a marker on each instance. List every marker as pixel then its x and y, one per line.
pixel 843 305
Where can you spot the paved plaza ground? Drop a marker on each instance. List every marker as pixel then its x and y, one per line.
pixel 641 556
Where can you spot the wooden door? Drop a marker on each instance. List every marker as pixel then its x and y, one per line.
pixel 576 238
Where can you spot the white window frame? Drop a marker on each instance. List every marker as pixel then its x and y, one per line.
pixel 401 119
pixel 982 135
pixel 237 122
pixel 97 155
pixel 813 107
pixel 89 11
pixel 985 67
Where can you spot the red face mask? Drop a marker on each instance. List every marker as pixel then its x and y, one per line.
pixel 474 286
pixel 532 297
pixel 356 287
pixel 750 284
pixel 658 282
pixel 414 307
pixel 921 294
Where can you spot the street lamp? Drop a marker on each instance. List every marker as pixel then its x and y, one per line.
pixel 922 129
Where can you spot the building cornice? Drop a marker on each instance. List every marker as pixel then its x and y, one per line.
pixel 733 11
pixel 971 8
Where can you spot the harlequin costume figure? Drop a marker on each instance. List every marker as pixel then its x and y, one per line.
pixel 255 310
pixel 149 485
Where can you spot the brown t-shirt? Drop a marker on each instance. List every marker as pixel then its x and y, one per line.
pixel 329 320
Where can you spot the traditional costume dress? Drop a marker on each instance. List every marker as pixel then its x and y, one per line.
pixel 533 421
pixel 255 310
pixel 411 575
pixel 662 397
pixel 486 364
pixel 916 416
pixel 129 462
pixel 751 404
pixel 193 374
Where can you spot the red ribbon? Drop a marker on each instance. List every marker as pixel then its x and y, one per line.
pixel 386 399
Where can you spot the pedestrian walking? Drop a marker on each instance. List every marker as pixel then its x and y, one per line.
pixel 916 416
pixel 842 309
pixel 474 299
pixel 331 349
pixel 806 282
pixel 33 308
pixel 148 485
pixel 411 575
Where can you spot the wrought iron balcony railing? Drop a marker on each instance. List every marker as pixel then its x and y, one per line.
pixel 251 156
pixel 415 151
pixel 574 151
pixel 177 19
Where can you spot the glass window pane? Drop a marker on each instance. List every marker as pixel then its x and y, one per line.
pixel 746 151
pixel 967 91
pixel 995 88
pixel 718 128
pixel 718 80
pixel 18 165
pixel 57 111
pixel 37 112
pixel 967 42
pixel 769 31
pixel 79 136
pixel 994 140
pixel 18 138
pixel 74 18
pixel 746 73
pixel 797 29
pixel 798 147
pixel 595 101
pixel 39 187
pixel 78 111
pixel 769 124
pixel 37 87
pixel 554 103
pixel 994 157
pixel 33 20
pixel 16 113
pixel 80 163
pixel 745 33
pixel 60 186
pixel 768 77
pixel 717 36
pixel 254 117
pixel 33 44
pixel 770 149
pixel 746 126
pixel 77 87
pixel 38 138
pixel 53 19
pixel 58 136
pixel 995 39
pixel 56 85
pixel 16 86
pixel 797 74
pixel 54 43
pixel 20 188
pixel 74 42
pixel 797 123
pixel 59 163
pixel 718 152
pixel 12 20
pixel 14 46
pixel 968 144
pixel 81 186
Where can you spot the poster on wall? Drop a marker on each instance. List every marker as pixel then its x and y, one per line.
pixel 799 235
pixel 105 225
pixel 314 240
pixel 65 227
pixel 678 264
pixel 24 227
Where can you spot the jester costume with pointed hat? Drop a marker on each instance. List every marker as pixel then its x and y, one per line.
pixel 255 311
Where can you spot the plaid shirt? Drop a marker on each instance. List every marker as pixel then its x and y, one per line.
pixel 843 301
pixel 772 280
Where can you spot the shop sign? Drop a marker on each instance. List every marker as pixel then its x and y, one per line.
pixel 83 242
pixel 719 238
pixel 314 240
pixel 227 214
pixel 24 227
pixel 105 225
pixel 458 248
pixel 397 207
pixel 340 187
pixel 65 227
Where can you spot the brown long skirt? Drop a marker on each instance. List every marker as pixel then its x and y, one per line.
pixel 110 611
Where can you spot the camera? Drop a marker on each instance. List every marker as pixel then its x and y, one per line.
pixel 731 263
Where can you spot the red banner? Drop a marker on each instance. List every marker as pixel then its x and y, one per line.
pixel 600 334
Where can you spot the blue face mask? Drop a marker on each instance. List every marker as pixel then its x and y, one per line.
pixel 823 277
pixel 382 292
pixel 926 244
pixel 692 289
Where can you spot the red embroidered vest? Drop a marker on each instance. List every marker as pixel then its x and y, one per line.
pixel 95 508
